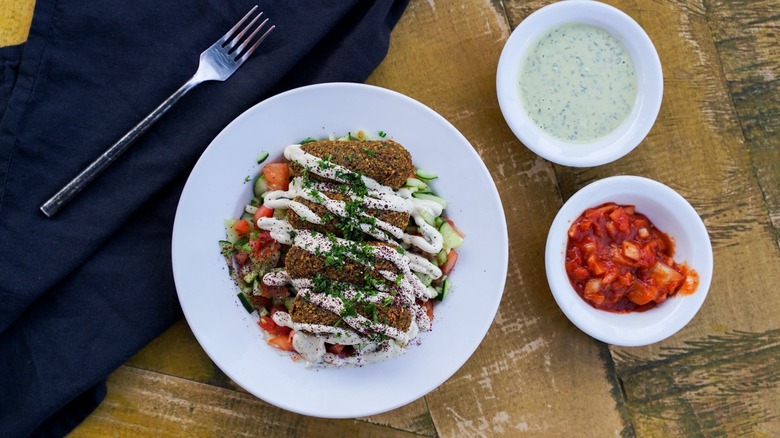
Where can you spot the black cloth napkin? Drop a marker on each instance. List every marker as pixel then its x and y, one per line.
pixel 83 291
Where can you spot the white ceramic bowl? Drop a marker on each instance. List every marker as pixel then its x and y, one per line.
pixel 649 83
pixel 670 213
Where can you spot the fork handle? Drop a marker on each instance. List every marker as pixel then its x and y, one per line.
pixel 65 194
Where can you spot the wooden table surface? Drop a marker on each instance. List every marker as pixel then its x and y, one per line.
pixel 716 141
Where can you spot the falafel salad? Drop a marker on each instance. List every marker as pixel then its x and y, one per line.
pixel 343 250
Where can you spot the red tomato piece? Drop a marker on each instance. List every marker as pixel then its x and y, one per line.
pixel 242 226
pixel 274 291
pixel 282 342
pixel 449 265
pixel 428 306
pixel 277 175
pixel 263 211
pixel 268 324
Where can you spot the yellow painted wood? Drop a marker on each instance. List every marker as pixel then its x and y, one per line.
pixel 140 403
pixel 15 19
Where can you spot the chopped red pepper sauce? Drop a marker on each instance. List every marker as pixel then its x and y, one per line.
pixel 618 261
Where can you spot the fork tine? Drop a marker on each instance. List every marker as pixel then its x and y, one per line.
pixel 246 54
pixel 235 40
pixel 225 37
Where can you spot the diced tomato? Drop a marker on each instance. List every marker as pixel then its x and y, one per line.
pixel 428 306
pixel 263 246
pixel 263 211
pixel 242 226
pixel 268 324
pixel 277 175
pixel 449 265
pixel 283 342
pixel 261 301
pixel 640 293
pixel 335 348
pixel 274 291
pixel 620 218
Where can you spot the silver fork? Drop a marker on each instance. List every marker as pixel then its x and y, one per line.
pixel 217 63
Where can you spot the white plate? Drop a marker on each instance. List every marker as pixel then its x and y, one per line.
pixel 216 190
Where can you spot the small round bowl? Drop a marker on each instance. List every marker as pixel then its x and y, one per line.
pixel 670 213
pixel 636 125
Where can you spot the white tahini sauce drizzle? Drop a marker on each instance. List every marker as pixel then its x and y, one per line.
pixel 404 288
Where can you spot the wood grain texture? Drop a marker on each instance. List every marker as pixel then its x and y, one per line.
pixel 746 35
pixel 15 19
pixel 533 364
pixel 141 403
pixel 715 141
pixel 698 147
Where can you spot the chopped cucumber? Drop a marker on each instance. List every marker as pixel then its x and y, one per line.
pixel 280 213
pixel 262 157
pixel 446 288
pixel 438 222
pixel 251 209
pixel 414 182
pixel 451 238
pixel 429 218
pixel 441 257
pixel 433 292
pixel 245 302
pixel 250 276
pixel 426 279
pixel 261 185
pixel 247 216
pixel 424 174
pixel 438 199
pixel 230 234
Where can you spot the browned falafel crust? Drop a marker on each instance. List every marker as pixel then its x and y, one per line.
pixel 330 221
pixel 386 162
pixel 301 263
pixel 303 311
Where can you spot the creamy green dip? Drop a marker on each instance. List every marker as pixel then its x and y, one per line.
pixel 577 83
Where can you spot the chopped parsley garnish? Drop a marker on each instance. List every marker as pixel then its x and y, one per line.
pixel 382 134
pixel 308 140
pixel 369 152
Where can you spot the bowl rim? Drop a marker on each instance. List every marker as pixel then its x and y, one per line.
pixel 647 64
pixel 636 328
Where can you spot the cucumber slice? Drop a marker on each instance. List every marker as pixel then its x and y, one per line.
pixel 428 218
pixel 424 174
pixel 438 199
pixel 261 186
pixel 414 182
pixel 441 257
pixel 262 157
pixel 230 234
pixel 451 238
pixel 426 279
pixel 446 288
pixel 245 302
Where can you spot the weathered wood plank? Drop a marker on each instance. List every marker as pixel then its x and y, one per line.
pixel 153 404
pixel 746 35
pixel 15 19
pixel 698 148
pixel 177 353
pixel 533 365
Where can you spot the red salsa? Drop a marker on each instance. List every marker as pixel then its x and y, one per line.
pixel 618 261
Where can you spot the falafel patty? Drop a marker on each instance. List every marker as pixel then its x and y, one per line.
pixel 334 224
pixel 386 162
pixel 303 311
